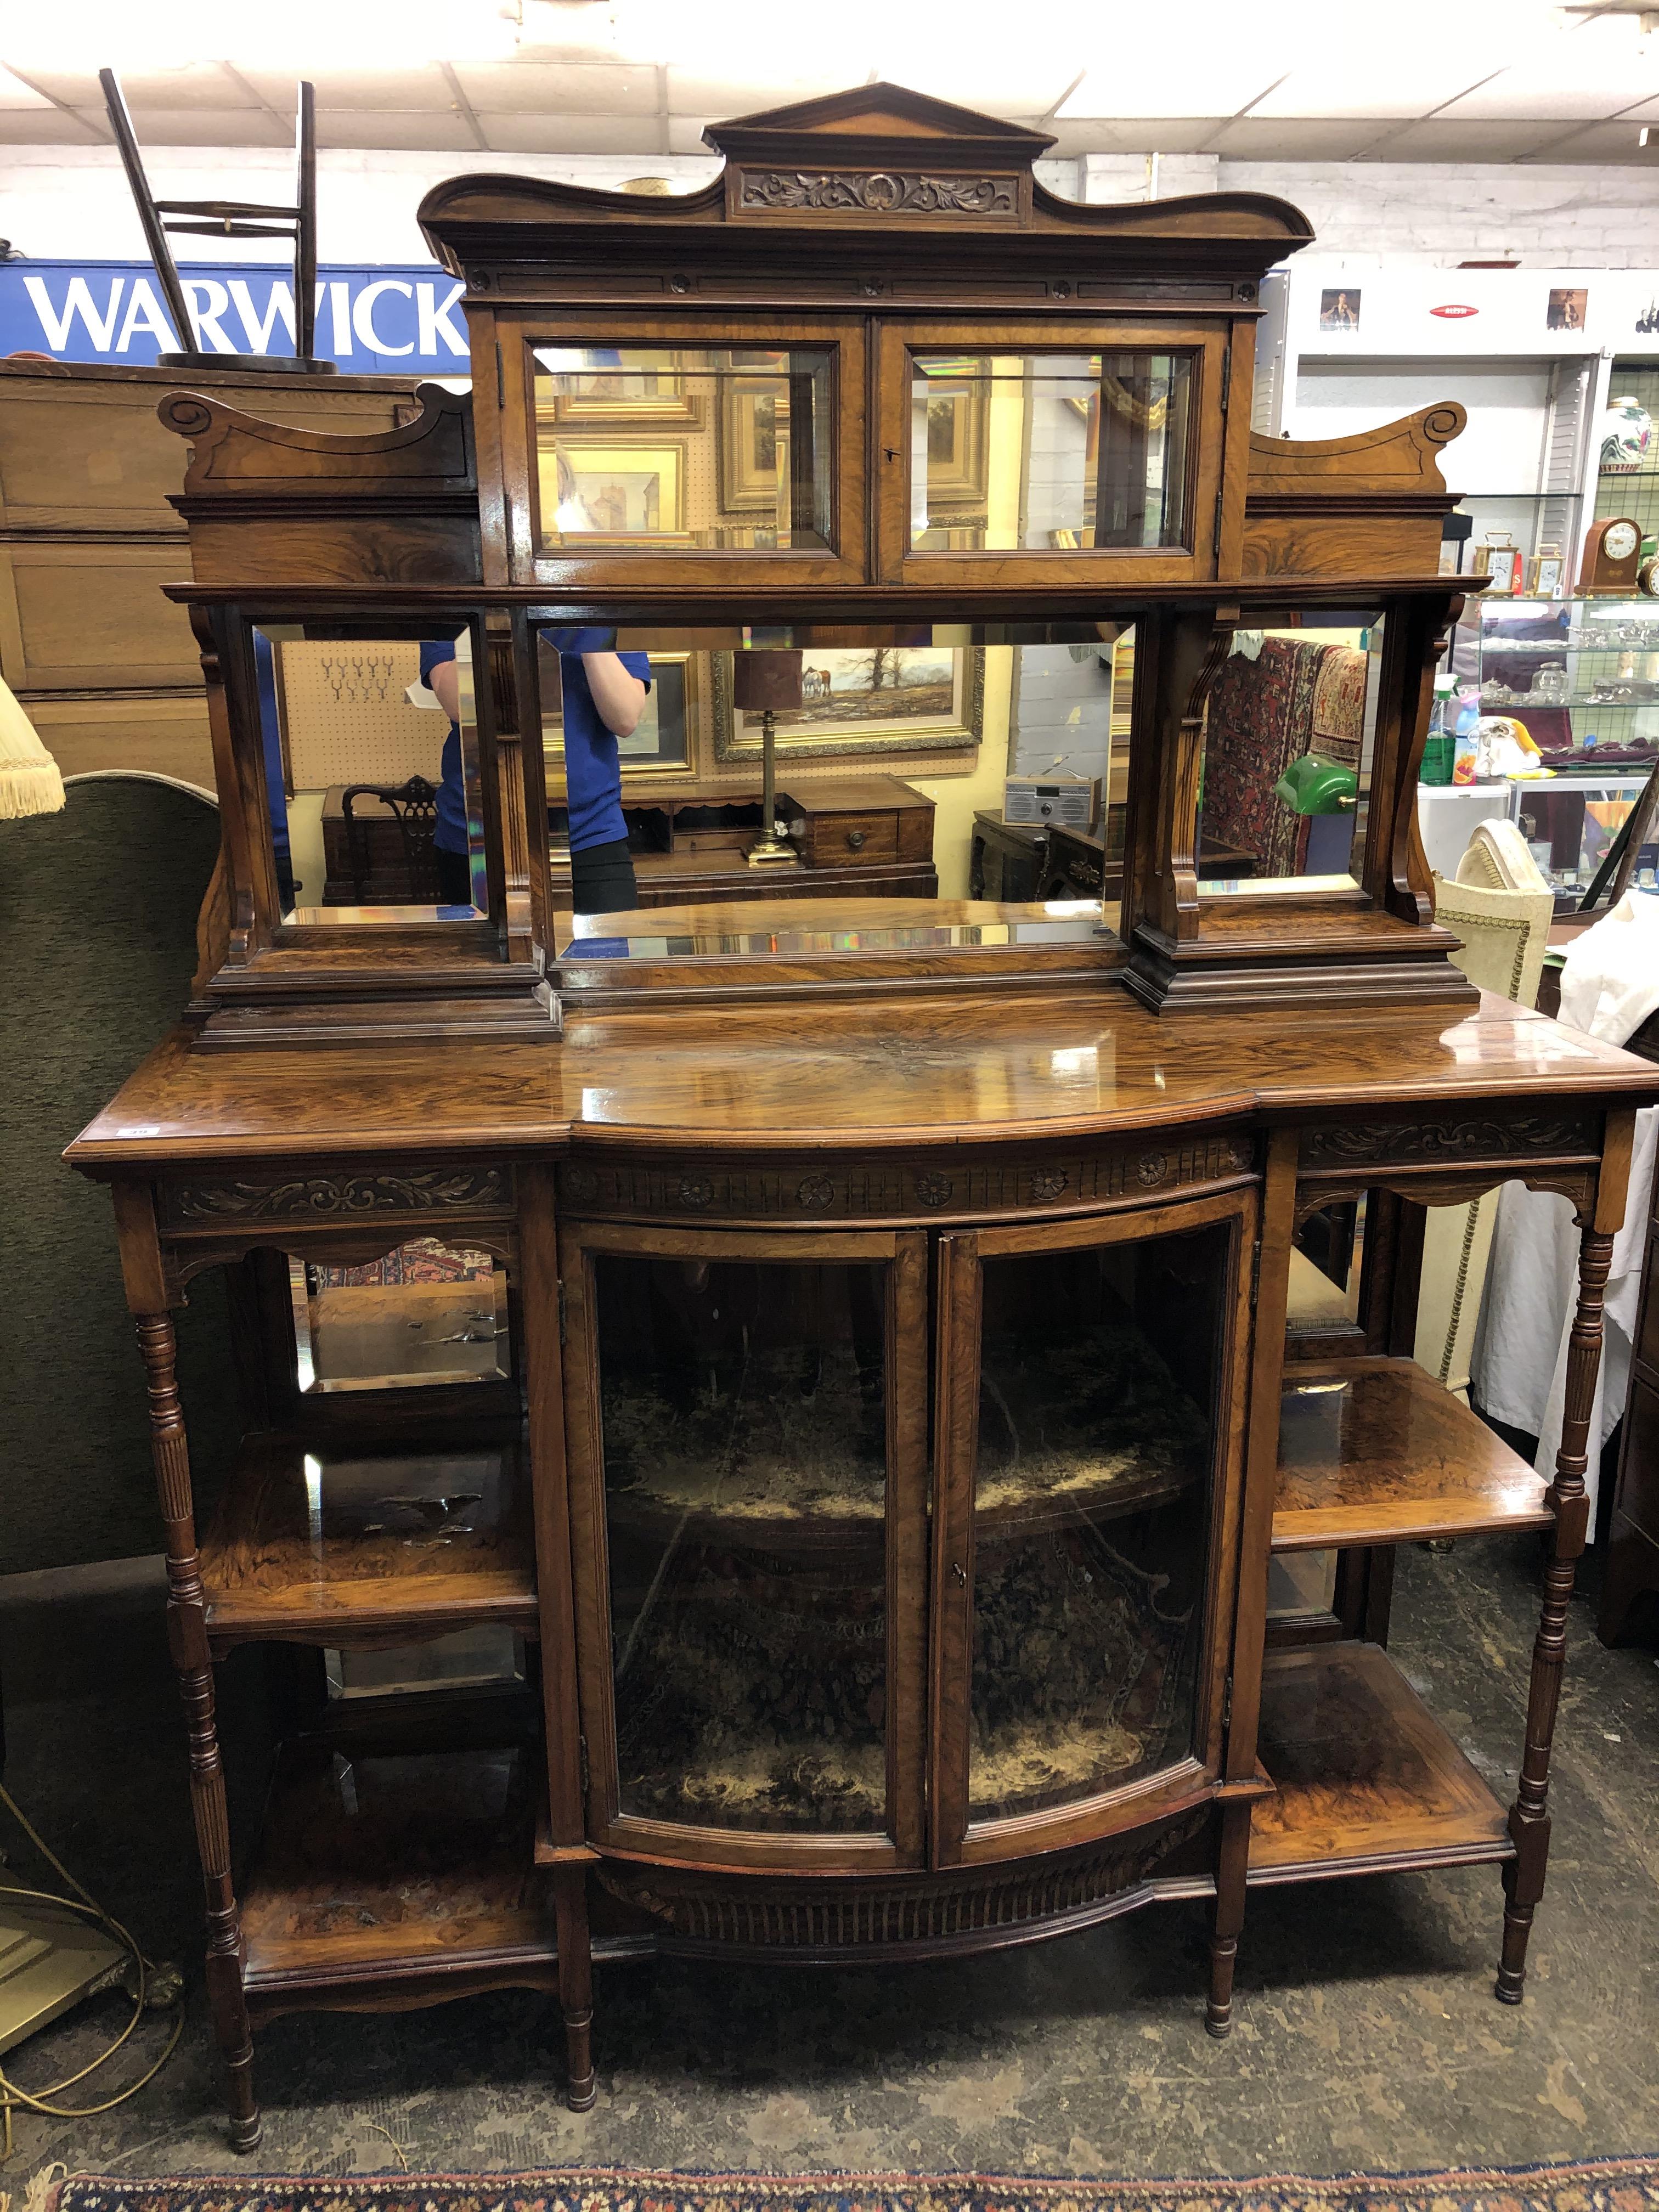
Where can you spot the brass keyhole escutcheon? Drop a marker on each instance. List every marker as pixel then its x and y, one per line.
pixel 855 839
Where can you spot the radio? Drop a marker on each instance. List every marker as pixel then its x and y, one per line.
pixel 1062 802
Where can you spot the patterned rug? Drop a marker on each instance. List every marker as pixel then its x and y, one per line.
pixel 1630 2184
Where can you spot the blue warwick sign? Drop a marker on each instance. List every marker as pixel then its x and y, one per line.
pixel 406 321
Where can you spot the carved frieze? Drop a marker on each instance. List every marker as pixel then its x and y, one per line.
pixel 1428 1143
pixel 342 1196
pixel 824 1916
pixel 876 191
pixel 863 1191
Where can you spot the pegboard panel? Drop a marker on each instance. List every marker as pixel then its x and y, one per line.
pixel 346 716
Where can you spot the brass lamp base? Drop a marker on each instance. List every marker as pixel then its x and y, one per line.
pixel 772 853
pixel 49 1960
pixel 769 849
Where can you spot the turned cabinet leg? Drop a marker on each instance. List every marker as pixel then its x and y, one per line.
pixel 575 1983
pixel 1529 1819
pixel 1227 1919
pixel 187 1639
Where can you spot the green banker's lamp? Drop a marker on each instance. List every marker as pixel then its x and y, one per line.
pixel 1314 786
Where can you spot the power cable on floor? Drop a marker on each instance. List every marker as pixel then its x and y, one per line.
pixel 151 1988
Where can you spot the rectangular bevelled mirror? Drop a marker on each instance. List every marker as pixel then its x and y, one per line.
pixel 891 754
pixel 425 1313
pixel 1290 734
pixel 684 448
pixel 372 771
pixel 1050 452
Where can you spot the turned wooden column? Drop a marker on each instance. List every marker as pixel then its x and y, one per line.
pixel 1227 1915
pixel 575 1983
pixel 142 1268
pixel 1529 1817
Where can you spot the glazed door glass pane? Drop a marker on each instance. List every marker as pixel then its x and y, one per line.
pixel 688 448
pixel 1097 1415
pixel 1048 452
pixel 743 1409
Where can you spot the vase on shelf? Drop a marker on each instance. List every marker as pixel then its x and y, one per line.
pixel 1626 432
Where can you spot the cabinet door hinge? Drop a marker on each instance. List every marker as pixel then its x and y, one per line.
pixel 1227 1703
pixel 1215 543
pixel 581 1757
pixel 1255 1272
pixel 561 1310
pixel 501 378
pixel 1226 374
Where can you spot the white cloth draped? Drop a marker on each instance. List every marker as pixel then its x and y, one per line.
pixel 1609 986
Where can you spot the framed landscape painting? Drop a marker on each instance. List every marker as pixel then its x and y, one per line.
pixel 863 699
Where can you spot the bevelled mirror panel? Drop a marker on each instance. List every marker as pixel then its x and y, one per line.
pixel 1289 736
pixel 427 1313
pixel 372 767
pixel 1050 452
pixel 684 448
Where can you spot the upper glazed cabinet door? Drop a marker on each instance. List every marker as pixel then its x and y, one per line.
pixel 641 452
pixel 1050 452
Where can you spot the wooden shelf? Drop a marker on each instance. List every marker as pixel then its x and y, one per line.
pixel 1374 1450
pixel 379 1863
pixel 334 1543
pixel 1365 1777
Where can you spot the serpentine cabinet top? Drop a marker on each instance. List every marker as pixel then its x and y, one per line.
pixel 853 1075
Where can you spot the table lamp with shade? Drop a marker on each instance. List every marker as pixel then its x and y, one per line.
pixel 765 683
pixel 29 780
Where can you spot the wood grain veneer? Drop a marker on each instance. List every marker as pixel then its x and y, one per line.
pixel 1366 1776
pixel 1375 1451
pixel 328 1543
pixel 851 1075
pixel 383 1862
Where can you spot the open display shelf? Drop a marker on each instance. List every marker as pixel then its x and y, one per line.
pixel 1365 1778
pixel 1373 1450
pixel 342 1542
pixel 377 1861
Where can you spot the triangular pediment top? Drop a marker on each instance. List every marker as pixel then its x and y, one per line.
pixel 889 113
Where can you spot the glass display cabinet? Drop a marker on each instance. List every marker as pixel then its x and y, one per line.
pixel 798 1428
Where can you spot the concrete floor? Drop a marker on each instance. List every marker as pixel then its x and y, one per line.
pixel 1367 2036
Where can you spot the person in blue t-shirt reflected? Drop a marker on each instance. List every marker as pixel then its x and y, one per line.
pixel 604 696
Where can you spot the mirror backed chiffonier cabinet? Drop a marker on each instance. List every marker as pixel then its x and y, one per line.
pixel 828 1429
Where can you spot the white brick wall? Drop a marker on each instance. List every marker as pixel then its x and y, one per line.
pixel 71 202
pixel 1063 714
pixel 1438 213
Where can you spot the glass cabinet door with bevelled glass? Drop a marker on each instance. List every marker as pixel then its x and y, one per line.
pixel 1047 452
pixel 665 451
pixel 1084 1373
pixel 747 1436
